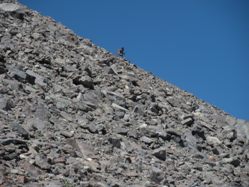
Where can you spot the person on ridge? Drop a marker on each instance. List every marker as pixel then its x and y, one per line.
pixel 121 52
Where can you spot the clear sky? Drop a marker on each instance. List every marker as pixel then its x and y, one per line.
pixel 201 46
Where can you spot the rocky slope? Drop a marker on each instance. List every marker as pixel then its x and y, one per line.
pixel 73 114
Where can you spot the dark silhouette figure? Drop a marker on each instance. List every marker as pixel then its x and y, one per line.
pixel 121 52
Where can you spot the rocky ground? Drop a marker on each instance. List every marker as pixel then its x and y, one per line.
pixel 73 114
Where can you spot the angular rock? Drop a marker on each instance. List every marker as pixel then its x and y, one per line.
pixel 20 130
pixel 67 134
pixel 85 81
pixel 95 128
pixel 86 150
pixel 242 130
pixel 55 183
pixel 18 74
pixel 116 142
pixel 156 175
pixel 3 68
pixel 9 104
pixel 3 102
pixel 9 7
pixel 233 161
pixel 113 70
pixel 30 79
pixel 213 141
pixel 188 121
pixel 146 140
pixel 120 130
pixel 190 140
pixel 114 105
pixel 35 78
pixel 42 163
pixel 160 154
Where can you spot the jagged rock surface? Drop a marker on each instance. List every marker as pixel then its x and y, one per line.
pixel 72 114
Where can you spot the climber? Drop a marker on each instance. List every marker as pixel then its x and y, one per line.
pixel 121 52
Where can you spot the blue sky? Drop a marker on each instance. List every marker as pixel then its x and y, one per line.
pixel 201 46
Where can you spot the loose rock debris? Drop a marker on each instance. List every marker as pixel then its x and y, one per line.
pixel 73 114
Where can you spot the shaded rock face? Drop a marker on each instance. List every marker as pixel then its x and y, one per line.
pixel 72 114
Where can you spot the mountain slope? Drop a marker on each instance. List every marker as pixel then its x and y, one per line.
pixel 73 114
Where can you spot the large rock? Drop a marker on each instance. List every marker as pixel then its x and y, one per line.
pixel 160 154
pixel 9 7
